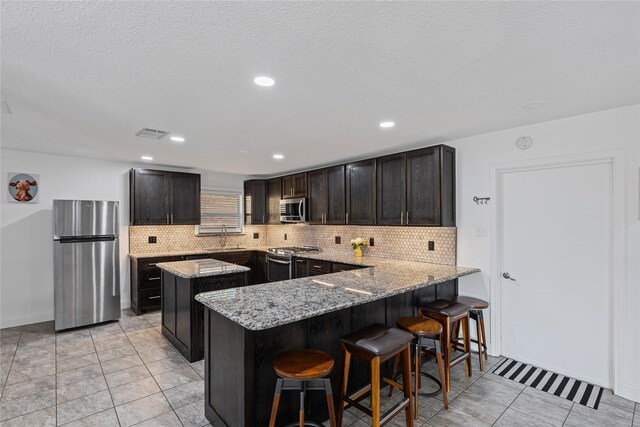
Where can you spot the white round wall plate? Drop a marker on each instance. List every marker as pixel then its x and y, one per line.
pixel 524 142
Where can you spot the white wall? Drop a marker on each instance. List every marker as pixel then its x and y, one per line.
pixel 26 247
pixel 607 130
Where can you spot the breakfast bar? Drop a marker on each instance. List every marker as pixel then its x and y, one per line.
pixel 246 327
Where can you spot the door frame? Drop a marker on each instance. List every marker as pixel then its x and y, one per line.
pixel 618 286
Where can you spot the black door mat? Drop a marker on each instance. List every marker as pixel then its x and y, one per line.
pixel 559 385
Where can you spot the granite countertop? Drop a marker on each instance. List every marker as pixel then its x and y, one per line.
pixel 201 268
pixel 196 252
pixel 273 304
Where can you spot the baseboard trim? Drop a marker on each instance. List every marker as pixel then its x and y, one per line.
pixel 44 316
pixel 629 391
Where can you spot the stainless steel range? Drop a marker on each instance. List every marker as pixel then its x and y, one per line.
pixel 279 261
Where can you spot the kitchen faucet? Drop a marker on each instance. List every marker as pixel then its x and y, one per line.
pixel 223 237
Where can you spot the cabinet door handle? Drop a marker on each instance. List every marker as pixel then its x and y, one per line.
pixel 152 264
pixel 154 278
pixel 402 218
pixel 167 218
pixel 263 219
pixel 154 297
pixel 171 218
pixel 317 266
pixel 347 217
pixel 407 217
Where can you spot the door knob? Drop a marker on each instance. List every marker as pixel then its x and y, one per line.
pixel 508 276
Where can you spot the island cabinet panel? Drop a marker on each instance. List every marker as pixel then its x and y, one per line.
pixel 361 192
pixel 239 376
pixel 255 202
pixel 163 197
pixel 183 316
pixel 391 189
pixel 274 194
pixel 258 273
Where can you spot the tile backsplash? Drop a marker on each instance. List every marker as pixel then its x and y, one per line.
pixel 184 238
pixel 406 243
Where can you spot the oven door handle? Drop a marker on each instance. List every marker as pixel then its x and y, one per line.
pixel 278 261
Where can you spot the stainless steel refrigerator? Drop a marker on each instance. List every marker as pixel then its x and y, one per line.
pixel 86 262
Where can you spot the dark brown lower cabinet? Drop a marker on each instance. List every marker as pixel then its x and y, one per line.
pixel 239 377
pixel 182 315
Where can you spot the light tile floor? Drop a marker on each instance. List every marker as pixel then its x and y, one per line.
pixel 125 373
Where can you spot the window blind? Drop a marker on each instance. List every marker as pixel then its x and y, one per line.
pixel 218 208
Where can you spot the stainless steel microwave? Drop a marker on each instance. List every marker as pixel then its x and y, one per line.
pixel 293 210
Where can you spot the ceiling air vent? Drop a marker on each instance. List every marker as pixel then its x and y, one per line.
pixel 152 133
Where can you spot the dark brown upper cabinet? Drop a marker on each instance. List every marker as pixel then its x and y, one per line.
pixel 391 189
pixel 162 197
pixel 417 187
pixel 327 196
pixel 255 202
pixel 361 192
pixel 294 186
pixel 274 193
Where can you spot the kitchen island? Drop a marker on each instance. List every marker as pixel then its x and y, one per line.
pixel 182 316
pixel 246 327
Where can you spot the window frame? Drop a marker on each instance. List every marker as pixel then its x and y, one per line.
pixel 211 230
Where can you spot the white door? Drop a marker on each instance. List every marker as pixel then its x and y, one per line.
pixel 556 244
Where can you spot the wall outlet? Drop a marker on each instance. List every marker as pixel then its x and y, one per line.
pixel 371 241
pixel 338 240
pixel 153 239
pixel 481 231
pixel 256 235
pixel 432 245
pixel 285 236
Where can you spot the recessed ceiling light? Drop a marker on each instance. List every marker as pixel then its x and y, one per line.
pixel 534 105
pixel 146 158
pixel 264 81
pixel 278 156
pixel 387 124
pixel 177 139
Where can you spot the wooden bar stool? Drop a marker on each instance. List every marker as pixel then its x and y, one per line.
pixel 476 305
pixel 302 370
pixel 376 344
pixel 426 339
pixel 447 313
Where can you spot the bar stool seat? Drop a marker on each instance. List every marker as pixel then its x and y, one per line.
pixel 376 339
pixel 417 325
pixel 427 333
pixel 471 302
pixel 301 370
pixel 447 308
pixel 304 363
pixel 449 314
pixel 376 344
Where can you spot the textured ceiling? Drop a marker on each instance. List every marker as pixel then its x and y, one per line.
pixel 83 77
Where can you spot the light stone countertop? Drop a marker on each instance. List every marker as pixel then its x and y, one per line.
pixel 201 268
pixel 143 255
pixel 273 304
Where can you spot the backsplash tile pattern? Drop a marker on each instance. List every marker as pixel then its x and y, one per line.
pixel 404 243
pixel 183 238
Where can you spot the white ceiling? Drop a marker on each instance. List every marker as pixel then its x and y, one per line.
pixel 83 77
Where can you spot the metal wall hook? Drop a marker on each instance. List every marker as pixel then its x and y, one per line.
pixel 481 200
